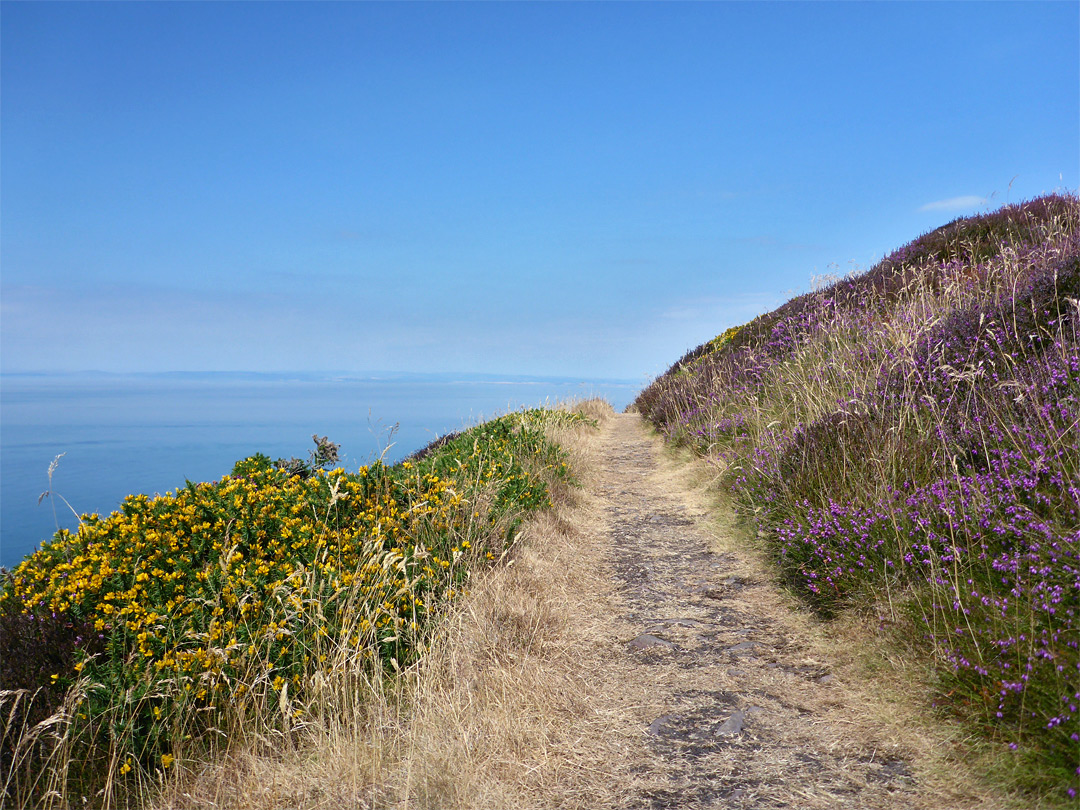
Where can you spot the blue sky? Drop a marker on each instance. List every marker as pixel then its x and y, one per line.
pixel 564 189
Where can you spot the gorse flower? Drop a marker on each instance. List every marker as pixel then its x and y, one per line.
pixel 204 594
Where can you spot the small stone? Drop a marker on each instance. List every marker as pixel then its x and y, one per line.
pixel 732 726
pixel 736 673
pixel 825 679
pixel 647 640
pixel 742 647
pixel 660 724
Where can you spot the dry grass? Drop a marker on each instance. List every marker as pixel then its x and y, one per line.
pixel 499 713
pixel 505 712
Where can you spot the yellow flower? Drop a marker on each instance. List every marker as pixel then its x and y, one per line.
pixel 167 760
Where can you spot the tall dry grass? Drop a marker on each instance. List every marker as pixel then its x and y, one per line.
pixel 494 714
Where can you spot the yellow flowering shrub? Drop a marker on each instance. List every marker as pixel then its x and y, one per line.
pixel 722 339
pixel 205 594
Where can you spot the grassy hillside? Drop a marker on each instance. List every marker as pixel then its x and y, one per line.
pixel 249 612
pixel 907 442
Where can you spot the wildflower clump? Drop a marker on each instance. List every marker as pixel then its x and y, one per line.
pixel 243 592
pixel 907 442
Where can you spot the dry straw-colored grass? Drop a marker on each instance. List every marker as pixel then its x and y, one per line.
pixel 497 714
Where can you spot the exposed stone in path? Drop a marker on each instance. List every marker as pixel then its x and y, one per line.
pixel 733 710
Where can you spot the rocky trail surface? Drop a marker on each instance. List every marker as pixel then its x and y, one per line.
pixel 732 705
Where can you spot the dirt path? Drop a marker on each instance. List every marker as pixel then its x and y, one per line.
pixel 731 707
pixel 631 654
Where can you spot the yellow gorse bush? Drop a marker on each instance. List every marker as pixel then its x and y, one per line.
pixel 233 563
pixel 724 338
pixel 260 580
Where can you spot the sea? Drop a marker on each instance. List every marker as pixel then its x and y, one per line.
pixel 105 436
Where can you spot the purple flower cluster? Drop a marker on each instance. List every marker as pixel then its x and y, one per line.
pixel 937 472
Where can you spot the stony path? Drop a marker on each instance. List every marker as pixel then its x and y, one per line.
pixel 732 709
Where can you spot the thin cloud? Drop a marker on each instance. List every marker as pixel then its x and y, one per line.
pixel 954 204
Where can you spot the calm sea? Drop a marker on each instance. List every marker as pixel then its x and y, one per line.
pixel 151 433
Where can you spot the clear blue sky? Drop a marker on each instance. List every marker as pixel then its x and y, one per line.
pixel 567 188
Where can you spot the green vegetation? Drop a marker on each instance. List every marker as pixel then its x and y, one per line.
pixel 908 442
pixel 216 615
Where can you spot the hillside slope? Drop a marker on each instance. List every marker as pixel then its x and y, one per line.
pixel 906 442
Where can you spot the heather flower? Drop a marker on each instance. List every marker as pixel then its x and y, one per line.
pixel 906 442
